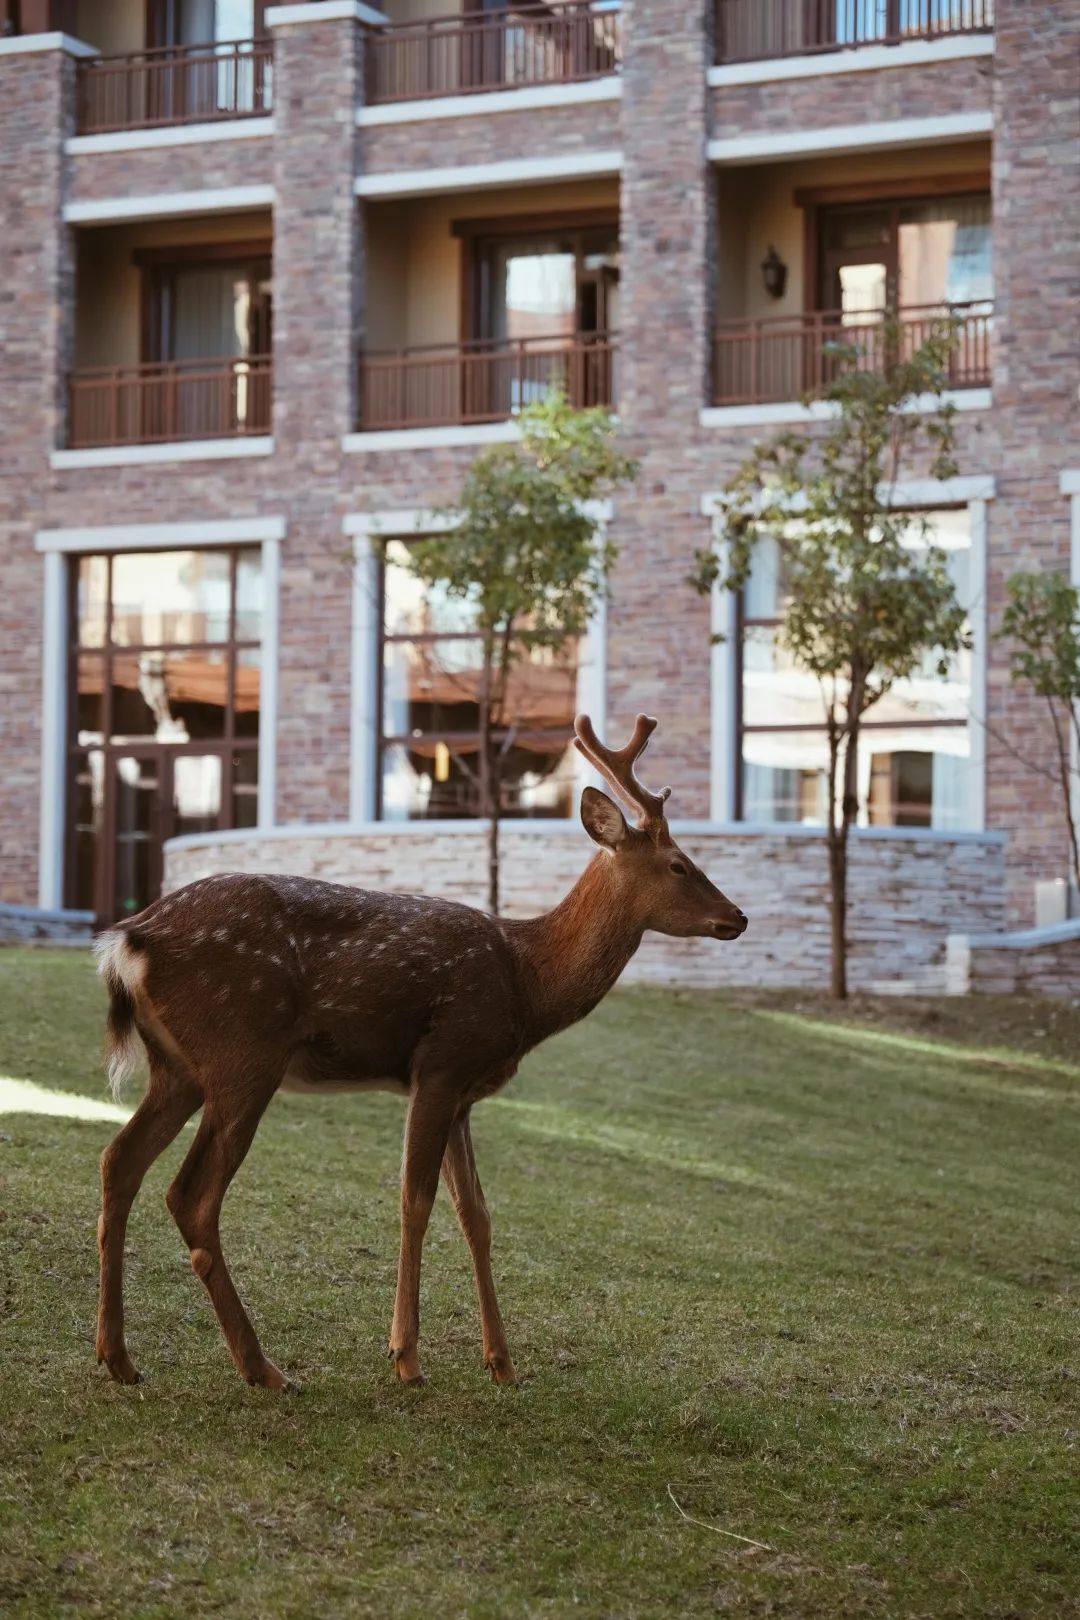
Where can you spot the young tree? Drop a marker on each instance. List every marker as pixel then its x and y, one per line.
pixel 1042 620
pixel 870 596
pixel 530 559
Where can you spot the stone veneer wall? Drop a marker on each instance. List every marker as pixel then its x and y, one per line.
pixel 909 891
pixel 29 925
pixel 1037 961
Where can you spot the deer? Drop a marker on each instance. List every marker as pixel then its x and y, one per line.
pixel 239 985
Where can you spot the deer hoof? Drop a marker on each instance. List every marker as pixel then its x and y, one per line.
pixel 121 1367
pixel 502 1370
pixel 407 1367
pixel 270 1377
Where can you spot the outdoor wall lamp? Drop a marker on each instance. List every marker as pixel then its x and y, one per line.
pixel 774 273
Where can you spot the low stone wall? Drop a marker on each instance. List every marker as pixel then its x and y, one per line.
pixel 909 890
pixel 1037 961
pixel 28 925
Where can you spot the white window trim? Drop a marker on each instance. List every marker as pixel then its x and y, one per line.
pixel 137 140
pixel 325 11
pixel 56 545
pixel 856 59
pixel 485 176
pixel 169 204
pixel 24 44
pixel 840 138
pixel 430 438
pixel 781 411
pixel 366 529
pixel 975 492
pixel 141 455
pixel 1070 486
pixel 485 102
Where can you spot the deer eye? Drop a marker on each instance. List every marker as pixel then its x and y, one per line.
pixel 678 868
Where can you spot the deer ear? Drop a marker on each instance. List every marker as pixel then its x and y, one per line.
pixel 602 819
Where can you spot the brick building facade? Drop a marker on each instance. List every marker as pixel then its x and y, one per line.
pixel 396 190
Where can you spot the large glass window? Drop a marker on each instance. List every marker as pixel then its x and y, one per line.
pixel 164 713
pixel 429 749
pixel 915 764
pixel 922 254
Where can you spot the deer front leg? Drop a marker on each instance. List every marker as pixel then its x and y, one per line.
pixel 431 1115
pixel 459 1172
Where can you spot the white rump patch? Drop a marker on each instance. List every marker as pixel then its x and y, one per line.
pixel 118 962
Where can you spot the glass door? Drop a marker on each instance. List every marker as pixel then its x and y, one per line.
pixel 164 700
pixel 134 829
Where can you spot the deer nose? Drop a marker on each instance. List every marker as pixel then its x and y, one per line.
pixel 741 920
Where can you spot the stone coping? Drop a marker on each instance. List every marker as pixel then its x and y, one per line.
pixel 539 827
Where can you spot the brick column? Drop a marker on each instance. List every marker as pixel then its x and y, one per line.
pixel 1036 206
pixel 37 100
pixel 317 296
pixel 658 631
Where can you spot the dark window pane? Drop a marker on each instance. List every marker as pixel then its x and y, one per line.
pixel 88 811
pixel 137 853
pixel 435 686
pixel 245 769
pixel 89 716
pixel 248 677
pixel 174 697
pixel 430 778
pixel 170 596
pixel 431 686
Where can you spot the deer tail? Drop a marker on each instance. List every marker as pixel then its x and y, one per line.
pixel 123 967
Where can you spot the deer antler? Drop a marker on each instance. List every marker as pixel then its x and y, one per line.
pixel 616 765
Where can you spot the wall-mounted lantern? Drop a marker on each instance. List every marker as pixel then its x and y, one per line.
pixel 774 273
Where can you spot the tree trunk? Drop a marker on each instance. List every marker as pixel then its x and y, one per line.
pixel 1065 772
pixel 837 877
pixel 495 785
pixel 489 807
pixel 838 914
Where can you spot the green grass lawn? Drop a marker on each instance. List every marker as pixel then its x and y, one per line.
pixel 815 1277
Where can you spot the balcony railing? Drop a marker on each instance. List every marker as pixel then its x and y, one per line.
pixel 761 362
pixel 178 399
pixel 756 30
pixel 177 84
pixel 559 43
pixel 484 381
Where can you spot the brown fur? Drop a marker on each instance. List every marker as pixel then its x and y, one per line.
pixel 239 985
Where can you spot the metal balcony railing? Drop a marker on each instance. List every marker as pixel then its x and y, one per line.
pixel 169 400
pixel 559 43
pixel 760 362
pixel 759 30
pixel 485 381
pixel 176 84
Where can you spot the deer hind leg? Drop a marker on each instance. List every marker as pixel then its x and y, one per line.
pixel 170 1101
pixel 195 1199
pixel 459 1173
pixel 431 1114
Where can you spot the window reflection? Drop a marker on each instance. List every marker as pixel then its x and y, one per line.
pixel 163 714
pixel 170 596
pixel 431 697
pixel 915 763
